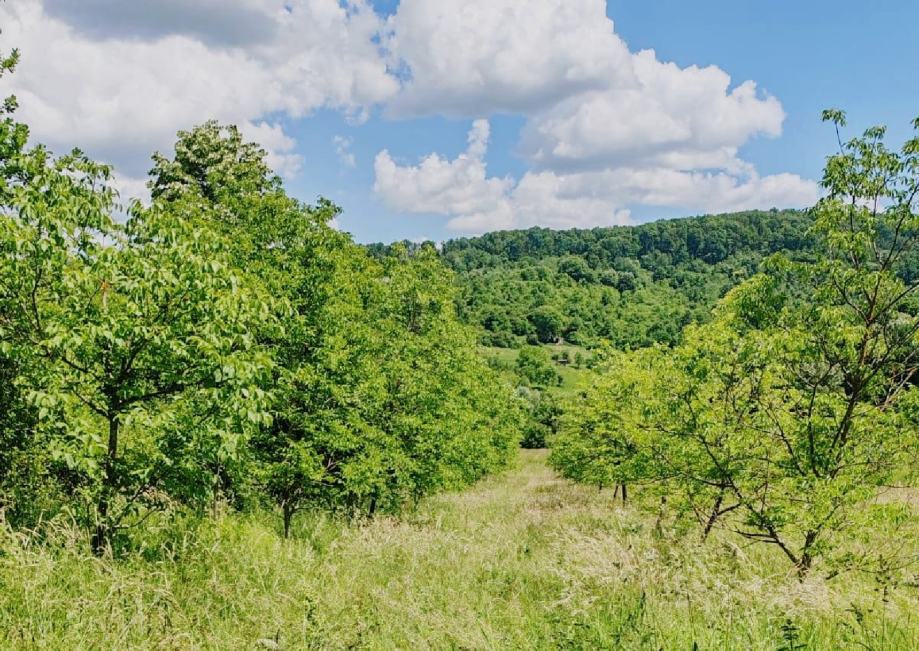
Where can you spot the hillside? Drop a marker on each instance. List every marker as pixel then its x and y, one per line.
pixel 630 285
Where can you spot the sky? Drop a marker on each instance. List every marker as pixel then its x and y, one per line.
pixel 434 119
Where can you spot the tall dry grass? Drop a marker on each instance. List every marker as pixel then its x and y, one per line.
pixel 521 561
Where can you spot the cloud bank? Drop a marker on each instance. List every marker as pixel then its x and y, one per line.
pixel 119 79
pixel 605 129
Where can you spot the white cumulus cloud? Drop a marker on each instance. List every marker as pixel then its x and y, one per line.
pixel 217 22
pixel 440 186
pixel 606 129
pixel 675 117
pixel 462 190
pixel 474 202
pixel 280 147
pixel 476 57
pixel 121 94
pixel 343 150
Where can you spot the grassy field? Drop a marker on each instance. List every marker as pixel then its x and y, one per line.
pixel 521 561
pixel 573 378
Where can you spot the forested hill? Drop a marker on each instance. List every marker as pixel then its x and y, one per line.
pixel 631 285
pixel 709 238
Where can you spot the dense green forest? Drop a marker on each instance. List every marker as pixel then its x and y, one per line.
pixel 627 286
pixel 631 286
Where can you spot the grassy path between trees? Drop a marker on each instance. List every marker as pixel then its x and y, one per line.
pixel 524 560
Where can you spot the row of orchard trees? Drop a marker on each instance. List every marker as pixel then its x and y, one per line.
pixel 782 417
pixel 223 342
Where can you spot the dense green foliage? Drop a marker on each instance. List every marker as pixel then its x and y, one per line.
pixel 543 379
pixel 782 417
pixel 222 345
pixel 631 285
pixel 628 287
pixel 544 411
pixel 534 365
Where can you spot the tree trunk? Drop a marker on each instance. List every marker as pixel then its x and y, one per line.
pixel 624 493
pixel 713 516
pixel 288 515
pixel 659 522
pixel 102 537
pixel 807 559
pixel 215 494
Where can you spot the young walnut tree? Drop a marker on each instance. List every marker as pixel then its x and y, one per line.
pixel 782 417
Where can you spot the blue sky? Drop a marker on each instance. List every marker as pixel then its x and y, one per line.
pixel 859 56
pixel 438 120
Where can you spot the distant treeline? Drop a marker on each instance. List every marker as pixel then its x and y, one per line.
pixel 630 285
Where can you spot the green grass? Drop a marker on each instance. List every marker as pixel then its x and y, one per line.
pixel 573 379
pixel 521 561
pixel 506 355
